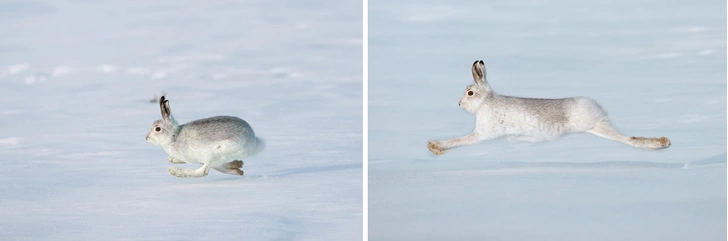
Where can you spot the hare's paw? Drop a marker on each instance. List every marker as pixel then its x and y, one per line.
pixel 664 142
pixel 174 160
pixel 235 164
pixel 661 143
pixel 651 143
pixel 234 167
pixel 183 172
pixel 435 147
pixel 175 171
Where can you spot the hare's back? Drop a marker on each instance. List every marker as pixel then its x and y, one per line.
pixel 218 128
pixel 551 110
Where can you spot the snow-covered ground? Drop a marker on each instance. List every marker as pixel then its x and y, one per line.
pixel 658 67
pixel 76 78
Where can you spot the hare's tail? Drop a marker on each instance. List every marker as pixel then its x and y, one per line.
pixel 259 145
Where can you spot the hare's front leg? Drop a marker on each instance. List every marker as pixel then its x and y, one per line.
pixel 189 172
pixel 174 160
pixel 439 147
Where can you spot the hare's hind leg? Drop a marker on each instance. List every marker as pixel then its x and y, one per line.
pixel 189 172
pixel 605 130
pixel 232 168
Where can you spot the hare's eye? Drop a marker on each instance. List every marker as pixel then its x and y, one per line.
pixel 470 93
pixel 157 129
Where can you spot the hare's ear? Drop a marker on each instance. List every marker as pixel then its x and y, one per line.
pixel 479 72
pixel 164 106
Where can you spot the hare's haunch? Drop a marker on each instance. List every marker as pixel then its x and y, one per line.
pixel 533 120
pixel 219 142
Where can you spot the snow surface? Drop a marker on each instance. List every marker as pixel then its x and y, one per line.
pixel 658 67
pixel 76 80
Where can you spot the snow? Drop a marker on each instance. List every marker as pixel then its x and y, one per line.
pixel 75 89
pixel 658 67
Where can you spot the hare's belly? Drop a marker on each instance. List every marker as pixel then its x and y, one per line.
pixel 534 131
pixel 209 151
pixel 532 138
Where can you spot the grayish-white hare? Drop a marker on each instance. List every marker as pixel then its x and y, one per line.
pixel 533 120
pixel 219 142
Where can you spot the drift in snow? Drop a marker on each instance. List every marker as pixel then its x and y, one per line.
pixel 533 120
pixel 219 142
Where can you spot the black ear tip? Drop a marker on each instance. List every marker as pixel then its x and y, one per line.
pixel 481 62
pixel 476 62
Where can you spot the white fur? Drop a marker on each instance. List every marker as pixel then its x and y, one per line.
pixel 219 142
pixel 533 120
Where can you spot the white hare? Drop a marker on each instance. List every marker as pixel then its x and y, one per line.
pixel 533 120
pixel 219 142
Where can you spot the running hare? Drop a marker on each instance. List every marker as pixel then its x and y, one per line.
pixel 533 120
pixel 219 142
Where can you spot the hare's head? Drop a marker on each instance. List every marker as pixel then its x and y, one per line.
pixel 477 93
pixel 163 131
